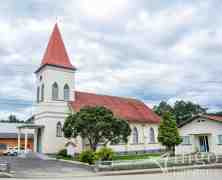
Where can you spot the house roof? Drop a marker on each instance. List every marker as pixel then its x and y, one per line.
pixel 214 117
pixel 56 54
pixel 129 109
pixel 9 127
pixel 9 131
pixel 15 136
pixel 209 117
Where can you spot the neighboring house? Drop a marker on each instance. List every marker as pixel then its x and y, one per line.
pixel 9 137
pixel 57 96
pixel 201 133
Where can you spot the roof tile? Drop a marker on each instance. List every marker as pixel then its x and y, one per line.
pixel 56 52
pixel 126 108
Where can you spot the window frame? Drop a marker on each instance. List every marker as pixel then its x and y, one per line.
pixel 55 91
pixel 185 140
pixel 42 92
pixel 59 129
pixel 152 138
pixel 38 95
pixel 135 135
pixel 66 92
pixel 220 139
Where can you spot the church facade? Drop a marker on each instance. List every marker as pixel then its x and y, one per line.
pixel 57 96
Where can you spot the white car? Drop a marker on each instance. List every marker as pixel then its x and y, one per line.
pixel 22 150
pixel 12 151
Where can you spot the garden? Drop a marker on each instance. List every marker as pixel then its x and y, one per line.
pixel 105 154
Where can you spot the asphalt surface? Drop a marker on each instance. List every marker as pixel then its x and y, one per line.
pixel 211 174
pixel 53 169
pixel 34 168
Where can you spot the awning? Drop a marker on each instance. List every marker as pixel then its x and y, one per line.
pixel 30 126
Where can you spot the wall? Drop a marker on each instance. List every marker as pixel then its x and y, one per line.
pixel 14 142
pixel 144 143
pixel 194 128
pixel 61 76
pixel 49 112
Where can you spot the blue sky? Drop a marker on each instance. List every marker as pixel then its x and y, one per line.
pixel 151 50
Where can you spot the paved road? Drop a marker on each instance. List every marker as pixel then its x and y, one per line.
pixel 51 169
pixel 27 168
pixel 213 174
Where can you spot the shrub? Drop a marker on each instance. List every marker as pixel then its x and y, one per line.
pixel 105 154
pixel 87 156
pixel 62 153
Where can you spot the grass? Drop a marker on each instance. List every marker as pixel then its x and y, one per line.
pixel 76 158
pixel 136 156
pixel 118 157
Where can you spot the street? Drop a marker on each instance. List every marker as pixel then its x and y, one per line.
pixel 37 168
pixel 212 174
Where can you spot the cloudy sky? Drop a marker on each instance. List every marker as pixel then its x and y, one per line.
pixel 152 50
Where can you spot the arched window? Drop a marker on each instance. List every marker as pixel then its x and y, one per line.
pixel 42 92
pixel 38 94
pixel 66 92
pixel 55 91
pixel 152 135
pixel 59 129
pixel 135 136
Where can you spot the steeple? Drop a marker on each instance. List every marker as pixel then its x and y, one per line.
pixel 56 54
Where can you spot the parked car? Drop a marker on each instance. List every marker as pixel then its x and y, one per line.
pixel 22 150
pixel 12 151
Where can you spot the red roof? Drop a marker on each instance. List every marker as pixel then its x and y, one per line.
pixel 56 52
pixel 214 117
pixel 126 108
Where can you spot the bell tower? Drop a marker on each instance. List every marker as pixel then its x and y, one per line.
pixel 55 76
pixel 55 89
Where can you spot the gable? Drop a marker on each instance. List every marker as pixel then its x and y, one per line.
pixel 201 125
pixel 206 117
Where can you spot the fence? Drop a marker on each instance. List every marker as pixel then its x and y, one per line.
pixel 162 162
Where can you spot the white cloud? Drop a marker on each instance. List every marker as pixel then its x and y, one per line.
pixel 103 10
pixel 151 52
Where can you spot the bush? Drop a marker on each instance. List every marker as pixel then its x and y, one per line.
pixel 62 153
pixel 87 156
pixel 105 154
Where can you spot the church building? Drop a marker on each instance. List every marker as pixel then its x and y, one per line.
pixel 57 96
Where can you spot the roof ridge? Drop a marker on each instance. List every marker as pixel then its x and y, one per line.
pixel 126 98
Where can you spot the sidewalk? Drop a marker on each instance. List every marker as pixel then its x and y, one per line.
pixel 158 170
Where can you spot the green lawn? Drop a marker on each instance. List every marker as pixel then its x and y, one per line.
pixel 120 157
pixel 136 156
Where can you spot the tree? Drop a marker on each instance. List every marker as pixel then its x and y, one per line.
pixel 168 133
pixel 162 108
pixel 182 110
pixel 97 125
pixel 185 110
pixel 219 113
pixel 13 119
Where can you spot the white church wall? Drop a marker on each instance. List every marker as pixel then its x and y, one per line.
pixel 144 143
pixel 51 144
pixel 61 76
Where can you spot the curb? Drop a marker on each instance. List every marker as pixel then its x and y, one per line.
pixel 6 175
pixel 80 164
pixel 158 170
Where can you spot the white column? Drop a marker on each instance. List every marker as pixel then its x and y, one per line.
pixel 19 140
pixel 35 140
pixel 26 140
